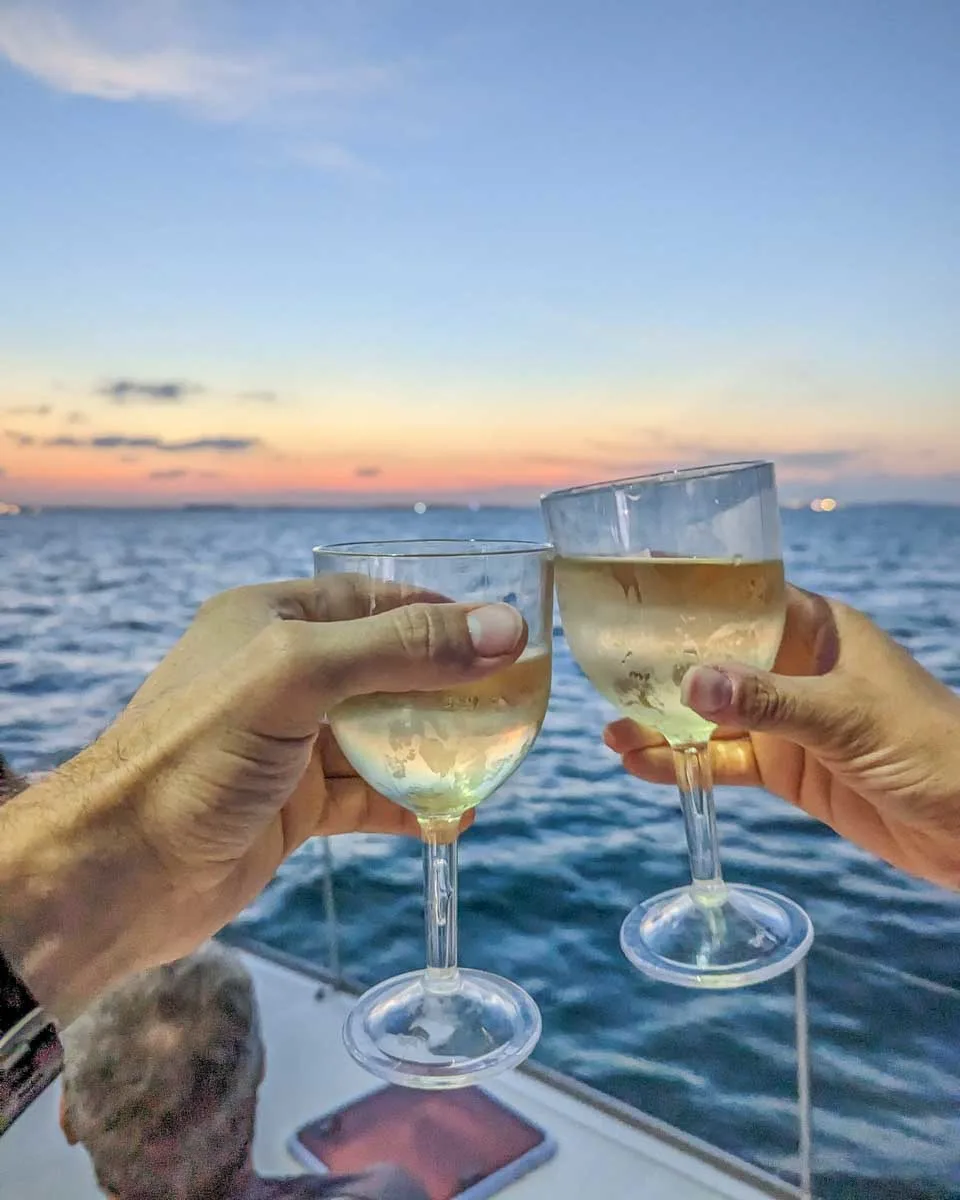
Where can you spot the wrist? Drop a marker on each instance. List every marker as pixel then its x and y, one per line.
pixel 67 880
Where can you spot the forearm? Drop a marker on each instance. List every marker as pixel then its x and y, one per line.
pixel 65 883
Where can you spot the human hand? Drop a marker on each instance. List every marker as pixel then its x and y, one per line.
pixel 178 815
pixel 850 728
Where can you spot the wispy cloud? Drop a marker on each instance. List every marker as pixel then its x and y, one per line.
pixel 138 391
pixel 218 445
pixel 117 441
pixel 192 57
pixel 368 472
pixel 48 44
pixel 812 459
pixel 29 410
pixel 182 473
pixel 334 158
pixel 264 396
pixel 687 452
pixel 600 459
pixel 76 418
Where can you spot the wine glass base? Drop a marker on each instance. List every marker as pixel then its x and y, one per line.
pixel 729 938
pixel 442 1037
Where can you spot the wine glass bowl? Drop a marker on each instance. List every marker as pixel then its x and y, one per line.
pixel 440 753
pixel 656 575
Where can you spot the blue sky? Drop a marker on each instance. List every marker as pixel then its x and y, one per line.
pixel 477 250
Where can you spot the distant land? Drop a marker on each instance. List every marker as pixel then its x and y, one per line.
pixel 788 506
pixel 440 506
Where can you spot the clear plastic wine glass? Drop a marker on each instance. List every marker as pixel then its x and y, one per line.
pixel 440 754
pixel 656 575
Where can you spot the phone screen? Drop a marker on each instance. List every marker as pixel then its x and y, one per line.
pixel 448 1140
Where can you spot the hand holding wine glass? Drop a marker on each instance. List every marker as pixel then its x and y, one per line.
pixel 438 754
pixel 656 576
pixel 850 728
pixel 161 830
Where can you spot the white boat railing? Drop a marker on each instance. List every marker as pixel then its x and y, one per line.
pixel 333 975
pixel 736 1168
pixel 861 1074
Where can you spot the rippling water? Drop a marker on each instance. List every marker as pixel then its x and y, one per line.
pixel 90 601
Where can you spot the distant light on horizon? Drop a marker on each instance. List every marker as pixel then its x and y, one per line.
pixel 419 508
pixel 823 504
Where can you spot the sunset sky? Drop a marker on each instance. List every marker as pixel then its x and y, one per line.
pixel 315 252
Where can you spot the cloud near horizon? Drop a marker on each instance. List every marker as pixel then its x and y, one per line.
pixel 181 473
pixel 115 441
pixel 138 391
pixel 259 396
pixel 28 410
pixel 815 460
pixel 656 455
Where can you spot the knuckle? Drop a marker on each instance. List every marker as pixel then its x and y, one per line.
pixel 414 627
pixel 852 727
pixel 282 646
pixel 435 633
pixel 220 602
pixel 844 613
pixel 343 597
pixel 763 703
pixel 213 604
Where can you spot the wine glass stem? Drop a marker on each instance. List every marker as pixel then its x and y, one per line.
pixel 695 782
pixel 440 883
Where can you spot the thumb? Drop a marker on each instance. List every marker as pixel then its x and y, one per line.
pixel 803 709
pixel 416 647
pixel 306 668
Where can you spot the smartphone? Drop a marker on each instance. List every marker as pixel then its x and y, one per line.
pixel 459 1145
pixel 30 1056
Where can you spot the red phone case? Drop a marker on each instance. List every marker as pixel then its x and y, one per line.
pixel 448 1140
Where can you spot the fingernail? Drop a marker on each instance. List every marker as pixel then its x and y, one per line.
pixel 707 690
pixel 495 629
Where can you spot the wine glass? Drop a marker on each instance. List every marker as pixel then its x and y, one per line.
pixel 440 753
pixel 656 575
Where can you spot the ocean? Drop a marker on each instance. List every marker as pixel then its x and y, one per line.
pixel 90 601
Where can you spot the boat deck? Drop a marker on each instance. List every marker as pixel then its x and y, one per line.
pixel 603 1150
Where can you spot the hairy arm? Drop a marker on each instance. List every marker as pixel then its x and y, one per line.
pixel 176 817
pixel 68 871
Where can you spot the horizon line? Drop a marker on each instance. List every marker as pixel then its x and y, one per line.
pixel 26 509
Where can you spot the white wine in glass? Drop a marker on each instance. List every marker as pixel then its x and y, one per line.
pixel 657 575
pixel 636 626
pixel 440 753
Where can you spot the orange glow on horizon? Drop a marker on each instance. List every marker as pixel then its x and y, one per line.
pixel 366 448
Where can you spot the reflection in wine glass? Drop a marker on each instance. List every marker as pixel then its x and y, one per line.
pixel 654 576
pixel 439 754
